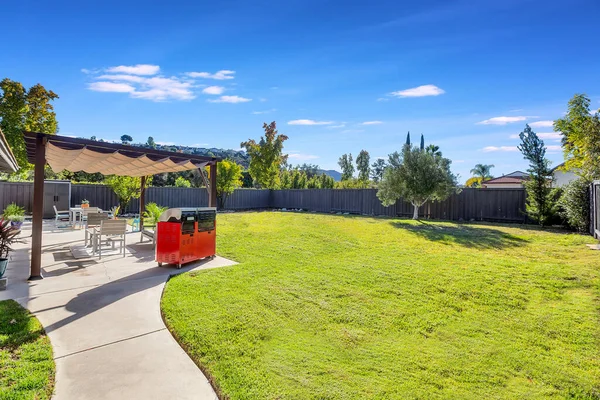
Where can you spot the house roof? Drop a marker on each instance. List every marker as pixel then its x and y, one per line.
pixel 8 163
pixel 74 154
pixel 518 174
pixel 502 180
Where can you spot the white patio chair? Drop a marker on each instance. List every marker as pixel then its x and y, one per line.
pixel 93 220
pixel 62 216
pixel 87 211
pixel 114 230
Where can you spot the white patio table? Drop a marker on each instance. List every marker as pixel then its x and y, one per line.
pixel 73 213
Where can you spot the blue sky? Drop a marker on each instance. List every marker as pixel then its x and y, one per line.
pixel 337 76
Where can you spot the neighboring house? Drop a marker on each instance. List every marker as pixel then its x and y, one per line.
pixel 561 177
pixel 514 180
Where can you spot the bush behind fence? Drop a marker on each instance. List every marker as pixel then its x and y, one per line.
pixel 502 205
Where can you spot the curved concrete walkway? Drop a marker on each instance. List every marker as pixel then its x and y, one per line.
pixel 103 319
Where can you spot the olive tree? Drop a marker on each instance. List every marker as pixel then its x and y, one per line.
pixel 416 176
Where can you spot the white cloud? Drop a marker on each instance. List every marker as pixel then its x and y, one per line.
pixel 213 90
pixel 264 112
pixel 419 91
pixel 166 143
pixel 160 89
pixel 143 81
pixel 309 122
pixel 336 126
pixel 383 99
pixel 111 87
pixel 230 99
pixel 542 124
pixel 546 135
pixel 550 135
pixel 123 77
pixel 489 149
pixel 502 120
pixel 301 157
pixel 219 75
pixel 136 81
pixel 85 70
pixel 372 123
pixel 554 148
pixel 139 69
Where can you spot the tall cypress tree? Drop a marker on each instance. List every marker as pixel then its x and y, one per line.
pixel 408 139
pixel 422 142
pixel 540 203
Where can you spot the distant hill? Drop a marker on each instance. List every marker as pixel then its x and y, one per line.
pixel 239 157
pixel 337 176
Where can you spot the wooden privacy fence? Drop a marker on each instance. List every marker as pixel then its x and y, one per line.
pixel 103 196
pixel 502 205
pixel 595 209
pixel 16 192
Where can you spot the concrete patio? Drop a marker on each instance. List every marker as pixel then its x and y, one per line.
pixel 103 319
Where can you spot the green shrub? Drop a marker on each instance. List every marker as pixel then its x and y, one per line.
pixel 575 204
pixel 13 210
pixel 152 213
pixel 182 182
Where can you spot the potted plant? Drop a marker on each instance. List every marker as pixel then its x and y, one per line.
pixel 16 221
pixel 8 236
pixel 15 214
pixel 85 203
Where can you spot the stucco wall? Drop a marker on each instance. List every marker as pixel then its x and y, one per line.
pixel 561 178
pixel 503 186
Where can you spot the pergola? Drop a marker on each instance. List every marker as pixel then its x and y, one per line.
pixel 74 154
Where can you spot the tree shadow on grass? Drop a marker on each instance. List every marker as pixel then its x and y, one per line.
pixel 463 235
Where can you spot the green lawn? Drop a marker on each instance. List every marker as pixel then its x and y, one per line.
pixel 26 363
pixel 339 307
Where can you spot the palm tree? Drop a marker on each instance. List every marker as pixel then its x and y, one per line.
pixel 434 150
pixel 483 171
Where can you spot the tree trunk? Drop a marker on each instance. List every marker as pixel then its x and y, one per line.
pixel 415 212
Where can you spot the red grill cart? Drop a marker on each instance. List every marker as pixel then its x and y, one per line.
pixel 185 235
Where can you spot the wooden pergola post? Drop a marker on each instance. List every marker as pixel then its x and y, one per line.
pixel 142 202
pixel 38 209
pixel 212 197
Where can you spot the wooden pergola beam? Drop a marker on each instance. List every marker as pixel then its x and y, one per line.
pixel 142 201
pixel 38 208
pixel 212 198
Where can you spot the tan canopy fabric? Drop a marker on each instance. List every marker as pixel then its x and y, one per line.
pixel 114 163
pixel 75 154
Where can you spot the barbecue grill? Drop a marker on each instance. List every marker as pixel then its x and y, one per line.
pixel 185 235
